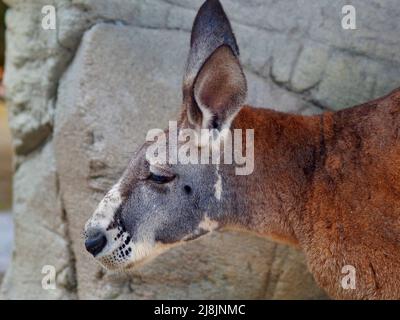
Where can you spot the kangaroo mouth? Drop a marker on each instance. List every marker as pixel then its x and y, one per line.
pixel 139 255
pixel 124 254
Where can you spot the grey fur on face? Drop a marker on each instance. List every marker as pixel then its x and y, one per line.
pixel 151 216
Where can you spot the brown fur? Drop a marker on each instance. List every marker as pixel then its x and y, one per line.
pixel 330 184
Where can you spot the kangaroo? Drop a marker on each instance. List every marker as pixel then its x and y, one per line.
pixel 328 184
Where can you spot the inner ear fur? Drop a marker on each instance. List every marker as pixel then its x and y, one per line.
pixel 220 89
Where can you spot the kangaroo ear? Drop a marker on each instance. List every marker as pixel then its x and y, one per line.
pixel 214 86
pixel 220 89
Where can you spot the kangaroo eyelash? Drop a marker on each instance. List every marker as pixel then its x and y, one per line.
pixel 160 179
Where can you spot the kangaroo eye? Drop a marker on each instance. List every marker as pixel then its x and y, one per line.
pixel 160 179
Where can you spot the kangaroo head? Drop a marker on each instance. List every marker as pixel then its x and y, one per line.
pixel 155 204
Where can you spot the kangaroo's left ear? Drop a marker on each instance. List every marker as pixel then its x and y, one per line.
pixel 215 86
pixel 220 89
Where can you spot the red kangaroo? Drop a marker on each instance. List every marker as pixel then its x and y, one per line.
pixel 328 184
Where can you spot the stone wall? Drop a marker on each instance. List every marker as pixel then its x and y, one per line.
pixel 5 160
pixel 83 96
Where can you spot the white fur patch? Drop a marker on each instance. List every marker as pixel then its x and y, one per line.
pixel 218 185
pixel 207 116
pixel 208 224
pixel 106 209
pixel 143 252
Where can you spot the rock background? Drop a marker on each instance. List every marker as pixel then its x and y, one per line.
pixel 82 97
pixel 5 160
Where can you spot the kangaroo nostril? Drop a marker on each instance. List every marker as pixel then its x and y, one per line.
pixel 95 242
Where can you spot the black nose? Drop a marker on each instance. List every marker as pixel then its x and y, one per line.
pixel 96 242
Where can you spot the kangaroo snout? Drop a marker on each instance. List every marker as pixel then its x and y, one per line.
pixel 95 242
